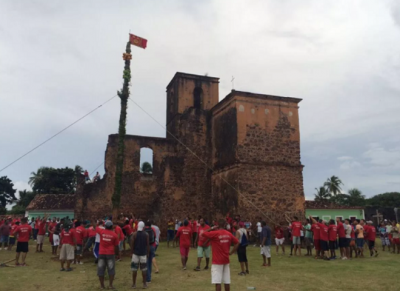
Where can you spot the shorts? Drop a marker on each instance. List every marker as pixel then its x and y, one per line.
pixel 324 245
pixel 347 242
pixel 106 261
pixel 78 250
pixel 359 242
pixel 11 242
pixel 242 255
pixel 194 235
pixel 342 242
pixel 332 245
pixel 220 274
pixel 396 241
pixel 385 241
pixel 279 241
pixel 170 235
pixel 204 250
pixel 56 240
pixel 22 247
pixel 296 240
pixel 308 241
pixel 371 244
pixel 317 245
pixel 4 239
pixel 266 251
pixel 184 251
pixel 139 262
pixel 67 252
pixel 40 239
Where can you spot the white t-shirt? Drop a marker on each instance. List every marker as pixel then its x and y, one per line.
pixel 259 228
pixel 301 233
pixel 347 229
pixel 177 225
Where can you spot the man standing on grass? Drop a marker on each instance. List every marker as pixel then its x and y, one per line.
pixel 140 249
pixel 308 237
pixel 40 235
pixel 97 240
pixel 342 237
pixel 323 238
pixel 259 229
pixel 170 231
pixel 396 237
pixel 121 238
pixel 296 233
pixel 91 233
pixel 203 245
pixel 51 228
pixel 316 231
pixel 5 230
pixel 279 239
pixel 266 244
pixel 221 241
pixel 241 235
pixel 80 236
pixel 108 242
pixel 23 232
pixel 371 236
pixel 11 242
pixel 68 247
pixel 194 233
pixel 332 233
pixel 347 229
pixel 360 239
pixel 152 242
pixel 36 228
pixel 184 235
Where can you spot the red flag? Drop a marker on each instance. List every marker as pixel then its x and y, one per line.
pixel 137 41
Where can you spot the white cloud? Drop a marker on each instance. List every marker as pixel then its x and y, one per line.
pixel 344 158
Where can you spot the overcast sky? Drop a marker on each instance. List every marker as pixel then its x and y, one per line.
pixel 61 59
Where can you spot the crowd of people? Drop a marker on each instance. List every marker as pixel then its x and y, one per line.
pixel 108 239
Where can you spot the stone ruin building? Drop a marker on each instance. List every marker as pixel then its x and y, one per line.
pixel 238 156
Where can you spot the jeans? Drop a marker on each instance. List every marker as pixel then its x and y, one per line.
pixel 150 263
pixel 35 232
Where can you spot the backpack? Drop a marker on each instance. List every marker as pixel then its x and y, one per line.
pixel 150 232
pixel 244 242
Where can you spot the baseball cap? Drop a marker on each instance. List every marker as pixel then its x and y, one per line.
pixel 140 226
pixel 108 223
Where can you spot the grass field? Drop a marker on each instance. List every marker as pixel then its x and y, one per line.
pixel 286 273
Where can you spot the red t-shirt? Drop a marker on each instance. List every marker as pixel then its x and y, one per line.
pixel 91 232
pixel 202 239
pixel 80 234
pixel 352 235
pixel 42 228
pixel 332 230
pixel 67 238
pixel 184 233
pixel 340 230
pixel 128 229
pixel 108 241
pixel 37 222
pixel 323 232
pixel 371 233
pixel 366 230
pixel 118 230
pixel 13 228
pixel 278 232
pixel 296 228
pixel 315 229
pixel 52 226
pixel 194 226
pixel 24 232
pixel 221 241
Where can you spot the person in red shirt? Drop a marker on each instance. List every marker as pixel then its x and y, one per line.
pixel 36 227
pixel 51 228
pixel 128 231
pixel 296 233
pixel 80 237
pixel 370 236
pixel 332 233
pixel 41 233
pixel 23 232
pixel 221 241
pixel 108 241
pixel 323 237
pixel 203 246
pixel 342 237
pixel 121 238
pixel 184 235
pixel 279 238
pixel 12 236
pixel 68 243
pixel 91 235
pixel 315 230
pixel 194 233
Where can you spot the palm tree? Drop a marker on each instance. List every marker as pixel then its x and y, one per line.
pixel 333 185
pixel 356 198
pixel 322 194
pixel 37 177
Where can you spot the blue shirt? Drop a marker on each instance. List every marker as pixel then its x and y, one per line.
pixel 266 232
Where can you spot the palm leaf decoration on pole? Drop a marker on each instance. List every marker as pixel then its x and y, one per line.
pixel 124 95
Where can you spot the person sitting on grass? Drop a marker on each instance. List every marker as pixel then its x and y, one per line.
pixel 67 247
pixel 140 249
pixel 221 241
pixel 108 241
pixel 23 232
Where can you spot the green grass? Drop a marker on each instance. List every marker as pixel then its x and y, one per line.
pixel 286 273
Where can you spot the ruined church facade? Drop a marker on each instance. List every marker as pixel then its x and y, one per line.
pixel 238 156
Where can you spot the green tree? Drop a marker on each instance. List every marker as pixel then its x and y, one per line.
pixel 47 180
pixel 389 199
pixel 25 197
pixel 146 168
pixel 123 95
pixel 322 194
pixel 356 198
pixel 333 185
pixel 7 193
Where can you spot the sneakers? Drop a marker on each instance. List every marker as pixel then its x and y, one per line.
pixel 197 268
pixel 344 258
pixel 242 274
pixel 206 268
pixel 80 263
pixel 247 272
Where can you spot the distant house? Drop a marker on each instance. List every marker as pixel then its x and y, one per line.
pixel 55 205
pixel 327 210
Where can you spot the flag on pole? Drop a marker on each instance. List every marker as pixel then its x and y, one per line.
pixel 137 41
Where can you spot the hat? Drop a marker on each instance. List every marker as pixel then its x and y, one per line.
pixel 108 223
pixel 140 226
pixel 241 224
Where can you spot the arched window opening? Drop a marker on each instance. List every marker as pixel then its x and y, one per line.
pixel 146 161
pixel 198 97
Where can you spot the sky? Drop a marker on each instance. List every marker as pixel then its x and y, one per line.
pixel 61 59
